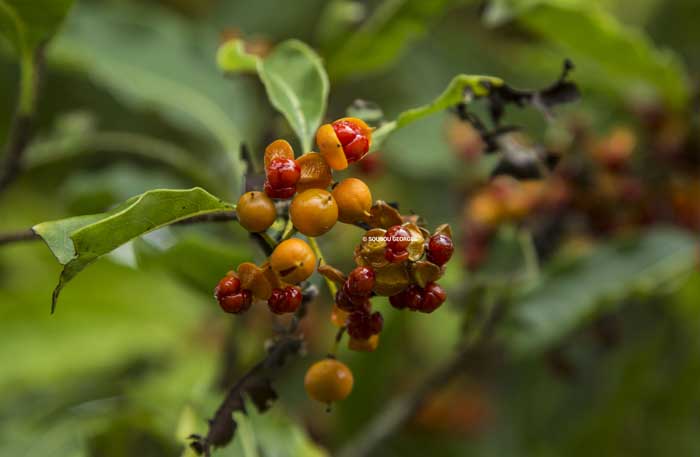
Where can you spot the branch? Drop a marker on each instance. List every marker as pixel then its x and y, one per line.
pixel 22 129
pixel 255 384
pixel 23 235
pixel 401 410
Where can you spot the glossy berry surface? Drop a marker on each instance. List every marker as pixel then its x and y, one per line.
pixel 355 144
pixel 411 298
pixel 350 303
pixel 283 192
pixel 440 249
pixel 328 381
pixel 314 212
pixel 237 303
pixel 433 297
pixel 255 211
pixel 397 238
pixel 229 284
pixel 283 173
pixel 361 281
pixel 293 260
pixel 285 300
pixel 396 256
pixel 354 200
pixel 362 324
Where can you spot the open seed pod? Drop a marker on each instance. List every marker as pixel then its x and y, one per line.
pixel 332 273
pixel 315 172
pixel 383 215
pixel 255 279
pixel 339 317
pixel 368 345
pixel 391 279
pixel 422 272
pixel 443 229
pixel 278 149
pixel 417 246
pixel 370 252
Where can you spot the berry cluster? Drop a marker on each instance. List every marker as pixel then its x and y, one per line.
pixel 397 258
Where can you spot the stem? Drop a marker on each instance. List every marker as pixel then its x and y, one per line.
pixel 532 265
pixel 332 287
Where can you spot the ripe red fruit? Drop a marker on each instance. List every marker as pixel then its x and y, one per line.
pixel 350 303
pixel 411 298
pixel 284 192
pixel 355 144
pixel 362 325
pixel 440 249
pixel 360 281
pixel 283 172
pixel 395 257
pixel 237 303
pixel 397 238
pixel 229 284
pixel 285 300
pixel 433 297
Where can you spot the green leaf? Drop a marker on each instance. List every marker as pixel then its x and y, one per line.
pixel 452 95
pixel 154 61
pixel 27 25
pixel 232 57
pixel 295 81
pixel 566 298
pixel 78 241
pixel 622 56
pixel 393 27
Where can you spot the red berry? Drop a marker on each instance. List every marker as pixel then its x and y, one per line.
pixel 397 238
pixel 348 302
pixel 360 281
pixel 433 297
pixel 283 173
pixel 355 144
pixel 395 257
pixel 362 324
pixel 440 248
pixel 237 303
pixel 284 192
pixel 229 284
pixel 411 298
pixel 285 300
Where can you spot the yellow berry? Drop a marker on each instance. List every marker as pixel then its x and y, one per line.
pixel 354 200
pixel 255 211
pixel 314 212
pixel 328 381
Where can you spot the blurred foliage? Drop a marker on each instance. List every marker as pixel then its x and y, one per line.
pixel 133 100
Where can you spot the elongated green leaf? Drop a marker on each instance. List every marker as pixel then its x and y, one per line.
pixel 295 81
pixel 452 95
pixel 28 24
pixel 152 61
pixel 620 56
pixel 393 27
pixel 76 242
pixel 567 298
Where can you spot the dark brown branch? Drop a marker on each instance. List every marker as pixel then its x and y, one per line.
pixel 22 129
pixel 255 384
pixel 13 237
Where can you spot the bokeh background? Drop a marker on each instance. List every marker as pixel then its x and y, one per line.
pixel 138 354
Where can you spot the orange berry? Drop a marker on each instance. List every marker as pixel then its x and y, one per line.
pixel 354 200
pixel 255 211
pixel 314 212
pixel 293 260
pixel 328 381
